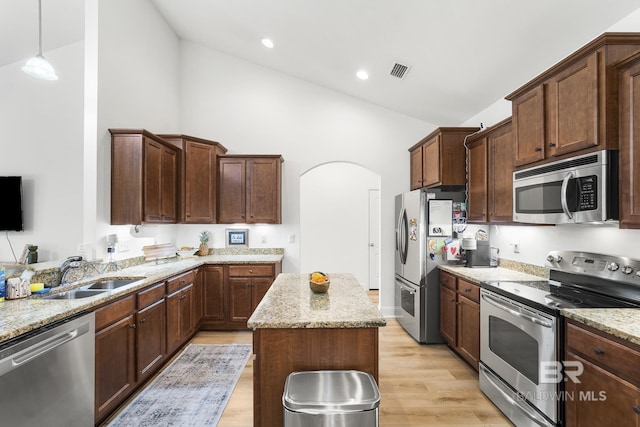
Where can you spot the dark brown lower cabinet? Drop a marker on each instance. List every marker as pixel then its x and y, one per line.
pixel 150 337
pixel 460 317
pixel 179 322
pixel 608 390
pixel 115 355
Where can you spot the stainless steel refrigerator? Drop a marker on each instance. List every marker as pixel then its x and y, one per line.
pixel 423 224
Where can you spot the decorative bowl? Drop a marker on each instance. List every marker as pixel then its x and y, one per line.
pixel 319 287
pixel 186 253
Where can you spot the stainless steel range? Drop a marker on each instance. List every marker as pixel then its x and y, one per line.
pixel 521 329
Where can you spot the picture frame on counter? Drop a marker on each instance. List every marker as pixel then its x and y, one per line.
pixel 237 238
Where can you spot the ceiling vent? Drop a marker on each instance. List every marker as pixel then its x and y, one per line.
pixel 399 70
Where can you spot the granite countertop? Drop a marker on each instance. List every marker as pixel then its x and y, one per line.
pixel 620 322
pixel 24 315
pixel 289 303
pixel 477 275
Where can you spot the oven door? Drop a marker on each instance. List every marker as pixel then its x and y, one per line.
pixel 519 344
pixel 408 302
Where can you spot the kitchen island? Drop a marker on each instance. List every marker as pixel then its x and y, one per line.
pixel 297 330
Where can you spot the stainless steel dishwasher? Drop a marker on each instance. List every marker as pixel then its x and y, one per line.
pixel 47 376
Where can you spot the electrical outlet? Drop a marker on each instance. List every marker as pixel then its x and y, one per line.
pixel 264 239
pixel 516 247
pixel 82 249
pixel 123 246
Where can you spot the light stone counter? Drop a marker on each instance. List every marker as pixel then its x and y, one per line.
pixel 477 275
pixel 289 303
pixel 23 315
pixel 620 322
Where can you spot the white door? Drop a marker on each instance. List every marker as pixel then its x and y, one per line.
pixel 374 239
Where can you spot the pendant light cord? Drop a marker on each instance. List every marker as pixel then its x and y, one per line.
pixel 40 27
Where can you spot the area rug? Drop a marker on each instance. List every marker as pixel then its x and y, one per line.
pixel 192 391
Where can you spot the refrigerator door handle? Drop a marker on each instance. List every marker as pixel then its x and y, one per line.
pixel 405 236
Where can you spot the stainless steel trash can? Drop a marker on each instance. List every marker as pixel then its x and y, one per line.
pixel 330 399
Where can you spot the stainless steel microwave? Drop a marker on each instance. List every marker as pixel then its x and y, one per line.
pixel 575 190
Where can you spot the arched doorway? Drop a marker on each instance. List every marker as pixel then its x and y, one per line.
pixel 339 221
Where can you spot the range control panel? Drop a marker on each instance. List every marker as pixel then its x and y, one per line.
pixel 621 269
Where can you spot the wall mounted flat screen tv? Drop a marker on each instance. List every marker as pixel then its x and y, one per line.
pixel 11 203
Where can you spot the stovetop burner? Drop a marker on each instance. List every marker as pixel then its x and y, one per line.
pixel 578 280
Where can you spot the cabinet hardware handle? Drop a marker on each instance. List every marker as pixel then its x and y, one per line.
pixel 636 409
pixel 537 149
pixel 453 300
pixel 143 320
pixel 250 270
pixel 552 144
pixel 133 326
pixel 468 290
pixel 597 350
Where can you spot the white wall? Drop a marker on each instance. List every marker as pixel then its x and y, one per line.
pixel 536 242
pixel 138 87
pixel 334 219
pixel 251 109
pixel 42 133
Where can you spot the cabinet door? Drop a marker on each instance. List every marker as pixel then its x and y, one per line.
pixel 448 318
pixel 186 313
pixel 528 126
pixel 431 162
pixel 600 399
pixel 115 365
pixel 573 108
pixel 500 175
pixel 150 337
pixel 200 183
pixel 169 185
pixel 263 191
pixel 231 190
pixel 629 141
pixel 152 201
pixel 178 317
pixel 416 168
pixel 213 292
pixel 198 299
pixel 240 299
pixel 260 287
pixel 469 330
pixel 477 185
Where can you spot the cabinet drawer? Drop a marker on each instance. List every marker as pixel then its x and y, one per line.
pixel 250 270
pixel 181 281
pixel 151 295
pixel 469 290
pixel 115 311
pixel 609 354
pixel 448 280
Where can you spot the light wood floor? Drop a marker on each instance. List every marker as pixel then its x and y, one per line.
pixel 420 385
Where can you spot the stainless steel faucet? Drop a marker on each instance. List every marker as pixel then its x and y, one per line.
pixel 68 265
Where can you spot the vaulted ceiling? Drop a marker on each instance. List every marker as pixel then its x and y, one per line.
pixel 463 55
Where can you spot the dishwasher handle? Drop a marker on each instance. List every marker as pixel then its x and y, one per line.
pixel 38 349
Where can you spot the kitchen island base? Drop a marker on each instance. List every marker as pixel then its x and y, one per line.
pixel 279 352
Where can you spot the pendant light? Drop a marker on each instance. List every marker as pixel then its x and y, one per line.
pixel 38 66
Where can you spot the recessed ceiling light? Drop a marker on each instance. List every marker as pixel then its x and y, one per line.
pixel 267 43
pixel 362 75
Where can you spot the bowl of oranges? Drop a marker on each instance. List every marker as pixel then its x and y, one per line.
pixel 319 282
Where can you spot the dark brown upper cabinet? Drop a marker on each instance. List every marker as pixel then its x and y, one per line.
pixel 572 107
pixel 144 178
pixel 439 158
pixel 198 181
pixel 249 189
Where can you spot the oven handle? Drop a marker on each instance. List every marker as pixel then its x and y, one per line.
pixel 563 194
pixel 532 415
pixel 497 303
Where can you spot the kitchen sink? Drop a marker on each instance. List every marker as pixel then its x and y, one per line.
pixel 76 294
pixel 111 284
